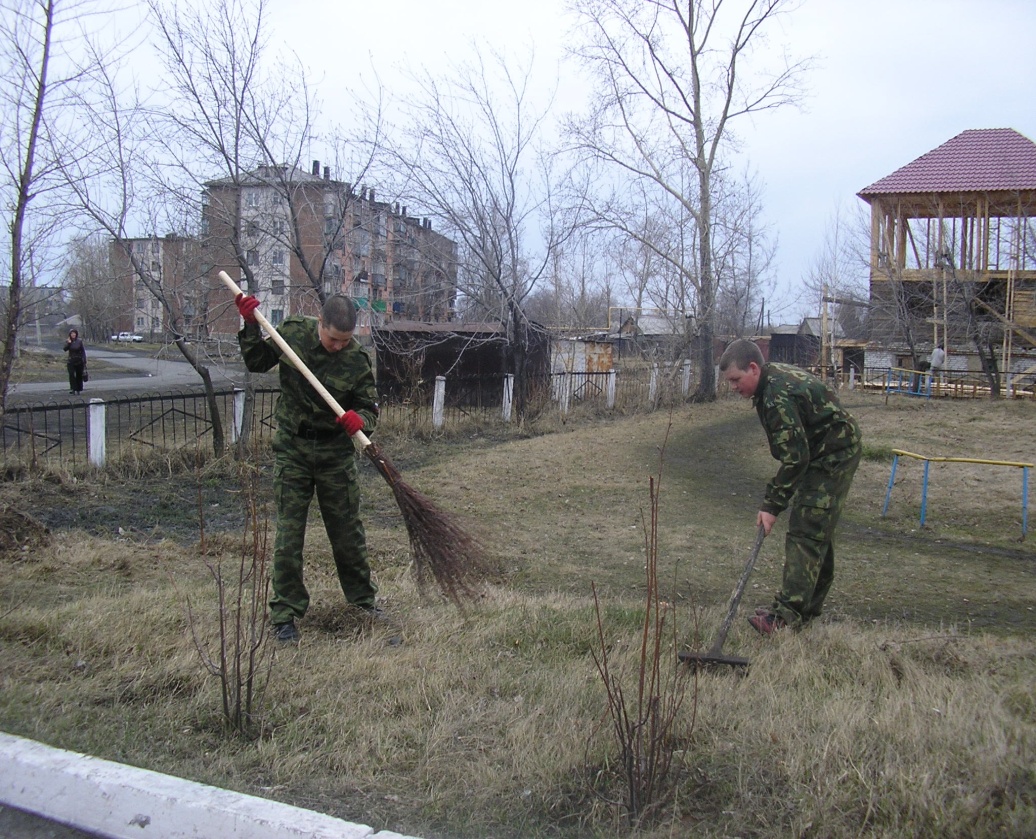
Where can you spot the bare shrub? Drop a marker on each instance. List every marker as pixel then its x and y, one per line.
pixel 240 655
pixel 644 703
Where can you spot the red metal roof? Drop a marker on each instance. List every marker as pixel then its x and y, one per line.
pixel 978 160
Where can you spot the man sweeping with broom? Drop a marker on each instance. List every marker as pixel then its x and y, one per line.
pixel 314 451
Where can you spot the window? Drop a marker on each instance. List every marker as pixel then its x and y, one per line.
pixel 280 228
pixel 277 286
pixel 251 197
pixel 330 226
pixel 276 316
pixel 278 257
pixel 253 257
pixel 155 267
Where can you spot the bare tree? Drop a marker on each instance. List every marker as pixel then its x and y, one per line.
pixel 469 151
pixel 34 84
pixel 244 117
pixel 90 280
pixel 743 253
pixel 636 256
pixel 578 292
pixel 220 116
pixel 672 75
pixel 837 276
pixel 114 182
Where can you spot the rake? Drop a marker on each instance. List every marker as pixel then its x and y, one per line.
pixel 442 550
pixel 714 656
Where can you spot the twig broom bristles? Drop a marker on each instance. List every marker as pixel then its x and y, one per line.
pixel 441 549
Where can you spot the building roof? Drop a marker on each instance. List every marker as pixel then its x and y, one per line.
pixel 977 160
pixel 452 327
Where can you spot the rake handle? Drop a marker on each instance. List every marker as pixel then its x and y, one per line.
pixel 361 440
pixel 739 589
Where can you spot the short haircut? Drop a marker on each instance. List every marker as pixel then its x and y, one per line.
pixel 339 312
pixel 740 353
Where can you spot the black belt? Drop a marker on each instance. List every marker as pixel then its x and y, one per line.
pixel 318 435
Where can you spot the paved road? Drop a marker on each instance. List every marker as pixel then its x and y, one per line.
pixel 17 824
pixel 146 373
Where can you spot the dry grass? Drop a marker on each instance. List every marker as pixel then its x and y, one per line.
pixel 908 711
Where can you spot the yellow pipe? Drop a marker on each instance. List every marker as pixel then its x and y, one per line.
pixel 962 460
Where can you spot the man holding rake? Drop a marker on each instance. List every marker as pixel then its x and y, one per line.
pixel 818 445
pixel 314 452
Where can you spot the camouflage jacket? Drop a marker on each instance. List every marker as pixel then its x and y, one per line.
pixel 803 423
pixel 348 376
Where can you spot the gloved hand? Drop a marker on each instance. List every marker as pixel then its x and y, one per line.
pixel 246 305
pixel 351 422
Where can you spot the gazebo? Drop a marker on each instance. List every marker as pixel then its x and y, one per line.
pixel 953 253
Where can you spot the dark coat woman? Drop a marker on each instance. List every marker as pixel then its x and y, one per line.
pixel 76 361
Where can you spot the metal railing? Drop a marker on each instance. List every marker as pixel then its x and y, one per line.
pixel 77 436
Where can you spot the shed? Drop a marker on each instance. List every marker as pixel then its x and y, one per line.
pixel 411 354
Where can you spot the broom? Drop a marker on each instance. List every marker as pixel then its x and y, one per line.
pixel 442 550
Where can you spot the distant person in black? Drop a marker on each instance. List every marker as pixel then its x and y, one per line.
pixel 76 361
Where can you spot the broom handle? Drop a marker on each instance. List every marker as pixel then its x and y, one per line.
pixel 361 440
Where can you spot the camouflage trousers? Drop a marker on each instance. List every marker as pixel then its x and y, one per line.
pixel 328 469
pixel 809 550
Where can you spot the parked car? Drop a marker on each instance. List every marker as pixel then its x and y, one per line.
pixel 128 336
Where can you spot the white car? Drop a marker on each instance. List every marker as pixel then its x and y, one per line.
pixel 128 336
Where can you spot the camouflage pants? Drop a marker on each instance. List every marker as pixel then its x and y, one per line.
pixel 327 468
pixel 809 551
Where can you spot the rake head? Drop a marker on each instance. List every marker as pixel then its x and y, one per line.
pixel 711 660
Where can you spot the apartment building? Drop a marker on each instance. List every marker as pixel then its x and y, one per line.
pixel 286 234
pixel 171 266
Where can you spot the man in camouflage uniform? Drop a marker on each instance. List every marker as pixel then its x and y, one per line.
pixel 314 451
pixel 818 445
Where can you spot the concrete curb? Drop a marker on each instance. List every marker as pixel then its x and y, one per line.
pixel 120 802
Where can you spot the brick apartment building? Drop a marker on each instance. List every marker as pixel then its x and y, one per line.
pixel 393 265
pixel 172 263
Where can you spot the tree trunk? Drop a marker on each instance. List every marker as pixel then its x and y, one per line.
pixel 244 438
pixel 706 390
pixel 218 438
pixel 520 354
pixel 26 179
pixel 987 356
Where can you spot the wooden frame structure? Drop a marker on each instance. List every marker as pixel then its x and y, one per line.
pixel 953 251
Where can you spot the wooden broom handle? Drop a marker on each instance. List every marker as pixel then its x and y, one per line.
pixel 359 438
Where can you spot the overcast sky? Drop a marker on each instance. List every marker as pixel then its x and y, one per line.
pixel 892 80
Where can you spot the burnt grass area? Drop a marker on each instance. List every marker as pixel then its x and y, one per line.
pixel 154 508
pixel 174 505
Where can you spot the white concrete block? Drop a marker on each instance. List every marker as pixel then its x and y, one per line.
pixel 120 802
